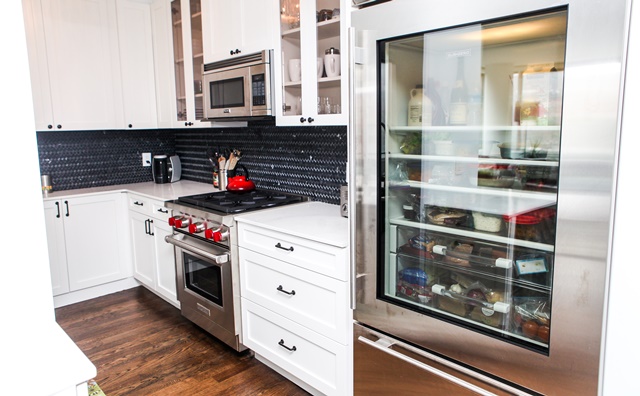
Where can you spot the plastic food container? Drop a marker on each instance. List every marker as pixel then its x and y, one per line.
pixel 524 226
pixel 486 222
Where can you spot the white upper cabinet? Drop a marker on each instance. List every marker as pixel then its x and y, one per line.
pixel 313 79
pixel 73 52
pixel 238 27
pixel 136 63
pixel 91 64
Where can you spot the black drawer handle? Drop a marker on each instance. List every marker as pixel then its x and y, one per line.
pixel 279 246
pixel 291 293
pixel 58 210
pixel 163 210
pixel 138 203
pixel 292 349
pixel 66 204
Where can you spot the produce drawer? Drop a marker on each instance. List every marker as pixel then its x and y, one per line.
pixel 314 256
pixel 313 300
pixel 314 359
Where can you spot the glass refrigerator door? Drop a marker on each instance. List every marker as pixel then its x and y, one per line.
pixel 470 159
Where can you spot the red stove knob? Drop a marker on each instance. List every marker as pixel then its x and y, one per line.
pixel 182 222
pixel 172 220
pixel 197 227
pixel 210 233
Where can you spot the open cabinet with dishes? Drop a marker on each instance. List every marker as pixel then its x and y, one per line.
pixel 470 172
pixel 313 84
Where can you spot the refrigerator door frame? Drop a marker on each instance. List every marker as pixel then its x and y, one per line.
pixel 594 74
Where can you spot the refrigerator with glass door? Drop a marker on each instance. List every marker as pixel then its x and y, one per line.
pixel 483 152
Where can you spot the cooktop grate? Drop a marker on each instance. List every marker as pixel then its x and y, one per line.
pixel 232 202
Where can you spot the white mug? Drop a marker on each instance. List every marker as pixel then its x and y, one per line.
pixel 332 65
pixel 319 66
pixel 295 72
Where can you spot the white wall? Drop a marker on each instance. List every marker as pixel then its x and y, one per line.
pixel 622 342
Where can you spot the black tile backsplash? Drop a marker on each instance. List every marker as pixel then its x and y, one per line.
pixel 309 161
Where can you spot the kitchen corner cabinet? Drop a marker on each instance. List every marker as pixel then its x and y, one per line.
pixel 311 92
pixel 238 27
pixel 295 303
pixel 87 241
pixel 153 259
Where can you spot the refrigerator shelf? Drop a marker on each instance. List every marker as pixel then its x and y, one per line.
pixel 474 128
pixel 473 234
pixel 474 160
pixel 498 276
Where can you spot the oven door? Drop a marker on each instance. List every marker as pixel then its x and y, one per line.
pixel 204 285
pixel 227 94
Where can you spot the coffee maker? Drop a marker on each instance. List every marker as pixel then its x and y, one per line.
pixel 166 169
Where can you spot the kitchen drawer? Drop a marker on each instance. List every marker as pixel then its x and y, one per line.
pixel 314 256
pixel 315 301
pixel 149 207
pixel 139 204
pixel 316 360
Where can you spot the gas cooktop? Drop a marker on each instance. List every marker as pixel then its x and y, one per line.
pixel 237 202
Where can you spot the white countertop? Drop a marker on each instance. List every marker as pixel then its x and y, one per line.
pixel 41 359
pixel 316 221
pixel 163 192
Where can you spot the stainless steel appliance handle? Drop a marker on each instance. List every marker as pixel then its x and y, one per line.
pixel 384 345
pixel 218 259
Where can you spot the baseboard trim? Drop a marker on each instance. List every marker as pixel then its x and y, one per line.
pixel 93 292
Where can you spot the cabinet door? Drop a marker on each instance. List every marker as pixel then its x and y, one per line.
pixel 83 63
pixel 96 239
pixel 165 262
pixel 312 92
pixel 143 248
pixel 238 27
pixel 225 24
pixel 57 251
pixel 136 64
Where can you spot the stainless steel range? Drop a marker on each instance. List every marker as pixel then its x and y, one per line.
pixel 206 250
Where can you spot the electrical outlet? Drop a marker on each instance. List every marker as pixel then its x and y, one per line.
pixel 146 159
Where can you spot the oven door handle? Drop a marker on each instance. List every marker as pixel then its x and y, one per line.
pixel 218 259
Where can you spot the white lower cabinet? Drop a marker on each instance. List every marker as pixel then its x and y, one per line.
pixel 87 240
pixel 295 307
pixel 153 258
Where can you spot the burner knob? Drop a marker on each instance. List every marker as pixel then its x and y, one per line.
pixel 182 222
pixel 208 233
pixel 197 227
pixel 172 220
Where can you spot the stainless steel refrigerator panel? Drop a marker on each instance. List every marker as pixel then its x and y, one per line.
pixel 595 56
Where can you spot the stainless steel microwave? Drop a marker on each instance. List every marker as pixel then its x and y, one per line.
pixel 239 88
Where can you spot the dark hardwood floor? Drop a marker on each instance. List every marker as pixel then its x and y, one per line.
pixel 141 345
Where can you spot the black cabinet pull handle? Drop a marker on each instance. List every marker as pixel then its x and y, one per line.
pixel 291 293
pixel 292 349
pixel 188 123
pixel 66 203
pixel 231 52
pixel 49 126
pixel 279 246
pixel 130 125
pixel 138 203
pixel 310 120
pixel 302 120
pixel 150 230
pixel 58 210
pixel 163 210
pixel 59 126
